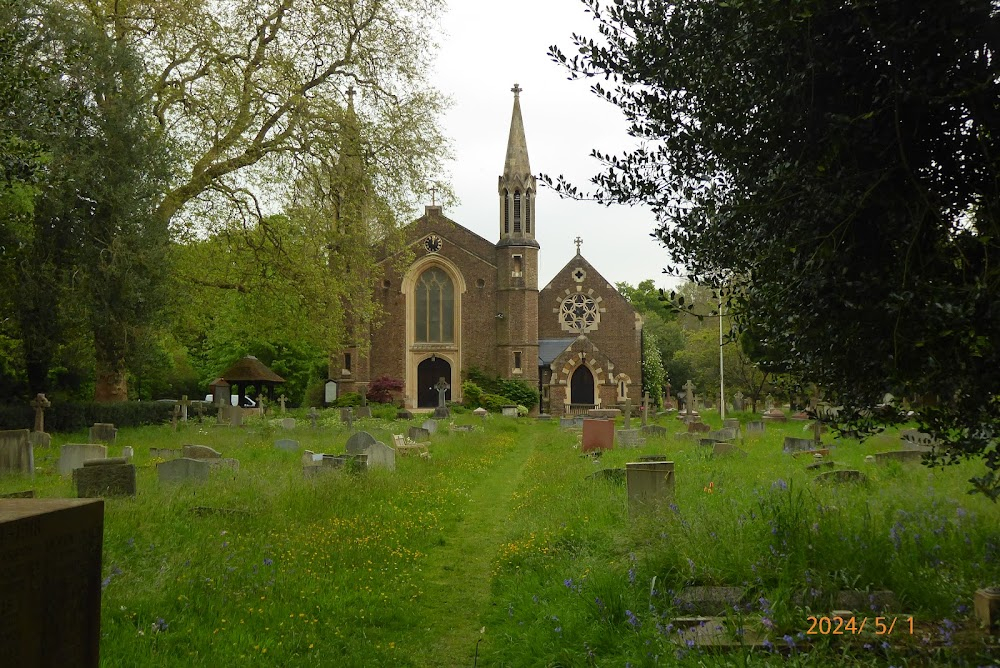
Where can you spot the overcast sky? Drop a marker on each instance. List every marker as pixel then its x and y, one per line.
pixel 485 49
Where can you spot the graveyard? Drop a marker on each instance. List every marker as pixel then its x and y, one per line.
pixel 298 540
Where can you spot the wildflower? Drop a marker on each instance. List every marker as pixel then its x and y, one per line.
pixel 768 645
pixel 690 643
pixel 779 485
pixel 568 582
pixel 674 507
pixel 632 619
pixel 789 640
pixel 631 576
pixel 711 488
pixel 160 625
pixel 767 623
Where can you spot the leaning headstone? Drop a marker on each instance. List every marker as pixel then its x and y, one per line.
pixel 201 452
pixel 347 415
pixel 654 430
pixel 73 455
pixel 901 456
pixel 755 427
pixel 16 454
pixel 381 456
pixel 842 476
pixel 650 484
pixel 359 442
pixel 431 426
pixel 403 414
pixel 183 470
pixel 103 432
pixel 287 444
pixel 727 450
pixel 698 427
pixel 128 452
pixel 165 453
pixel 288 423
pixel 793 444
pixel 419 434
pixel 363 412
pixel 111 476
pixel 39 439
pixel 51 582
pixel 598 435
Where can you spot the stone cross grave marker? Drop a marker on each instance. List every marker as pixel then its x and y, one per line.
pixel 281 400
pixel 185 403
pixel 313 416
pixel 200 407
pixel 768 402
pixel 628 413
pixel 175 416
pixel 262 402
pixel 645 407
pixel 40 403
pixel 688 397
pixel 667 400
pixel 442 387
pixel 738 401
pixel 364 394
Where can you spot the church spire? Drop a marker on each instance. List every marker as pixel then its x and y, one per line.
pixel 517 187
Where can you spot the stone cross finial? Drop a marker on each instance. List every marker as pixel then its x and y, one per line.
pixel 442 387
pixel 281 400
pixel 578 241
pixel 516 90
pixel 40 403
pixel 433 195
pixel 350 94
pixel 184 402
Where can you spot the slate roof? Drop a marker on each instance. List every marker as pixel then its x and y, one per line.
pixel 250 369
pixel 549 349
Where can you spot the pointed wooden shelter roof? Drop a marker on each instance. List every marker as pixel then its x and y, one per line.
pixel 249 370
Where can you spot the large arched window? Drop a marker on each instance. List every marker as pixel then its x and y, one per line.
pixel 435 307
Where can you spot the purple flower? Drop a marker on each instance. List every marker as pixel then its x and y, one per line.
pixel 160 624
pixel 268 561
pixel 568 582
pixel 632 619
pixel 779 485
pixel 789 640
pixel 631 576
pixel 768 645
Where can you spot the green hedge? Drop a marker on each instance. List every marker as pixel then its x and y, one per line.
pixel 74 416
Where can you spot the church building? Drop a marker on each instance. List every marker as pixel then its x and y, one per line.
pixel 467 302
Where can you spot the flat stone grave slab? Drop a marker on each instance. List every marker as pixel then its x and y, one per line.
pixel 16 455
pixel 842 476
pixel 183 470
pixel 430 426
pixel 104 432
pixel 165 453
pixel 822 452
pixel 655 430
pixel 39 439
pixel 728 450
pixel 200 452
pixel 111 476
pixel 286 444
pixel 51 582
pixel 288 423
pixel 901 456
pixel 359 442
pixel 461 428
pixel 73 455
pixel 818 466
pixel 418 434
pixel 598 435
pixel 716 632
pixel 774 415
pixel 793 444
pixel 709 600
pixel 616 476
pixel 381 456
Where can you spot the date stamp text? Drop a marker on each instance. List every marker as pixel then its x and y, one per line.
pixel 839 626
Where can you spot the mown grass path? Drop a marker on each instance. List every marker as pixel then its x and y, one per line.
pixel 457 574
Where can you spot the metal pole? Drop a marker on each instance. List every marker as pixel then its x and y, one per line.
pixel 722 384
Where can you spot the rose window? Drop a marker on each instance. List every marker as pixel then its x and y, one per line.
pixel 579 314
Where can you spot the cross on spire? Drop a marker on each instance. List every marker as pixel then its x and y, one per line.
pixel 433 195
pixel 516 90
pixel 578 241
pixel 350 94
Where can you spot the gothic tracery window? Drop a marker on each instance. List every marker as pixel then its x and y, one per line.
pixel 435 307
pixel 579 314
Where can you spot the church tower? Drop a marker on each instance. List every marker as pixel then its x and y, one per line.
pixel 517 260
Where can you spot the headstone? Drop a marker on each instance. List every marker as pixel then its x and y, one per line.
pixel 103 432
pixel 51 582
pixel 363 412
pixel 756 427
pixel 183 470
pixel 508 411
pixel 381 456
pixel 310 458
pixel 725 434
pixel 234 416
pixel 733 424
pixel 628 413
pixel 165 453
pixel 111 476
pixel 917 440
pixel 598 435
pixel 175 417
pixel 418 434
pixel 313 416
pixel 902 456
pixel 330 392
pixel 650 484
pixel 201 452
pixel 262 403
pixel 727 449
pixel 698 427
pixel 442 413
pixel 281 401
pixel 359 442
pixel 442 387
pixel 39 439
pixel 16 455
pixel 738 401
pixel 40 403
pixel 709 600
pixel 842 476
pixel 571 421
pixel 629 438
pixel 185 403
pixel 128 452
pixel 481 412
pixel 287 444
pixel 288 423
pixel 431 426
pixel 347 417
pixel 403 414
pixel 604 413
pixel 793 444
pixel 768 403
pixel 689 399
pixel 73 455
pixel 200 407
pixel 987 606
pixel 655 430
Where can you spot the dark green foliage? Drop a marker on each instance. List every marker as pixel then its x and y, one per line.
pixel 74 416
pixel 472 394
pixel 381 389
pixel 515 391
pixel 831 168
pixel 348 399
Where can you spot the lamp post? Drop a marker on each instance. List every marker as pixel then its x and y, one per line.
pixel 722 383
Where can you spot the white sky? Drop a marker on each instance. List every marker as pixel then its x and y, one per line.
pixel 484 49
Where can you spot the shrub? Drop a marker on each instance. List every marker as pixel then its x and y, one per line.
pixel 381 389
pixel 348 399
pixel 384 411
pixel 517 392
pixel 472 394
pixel 494 402
pixel 76 415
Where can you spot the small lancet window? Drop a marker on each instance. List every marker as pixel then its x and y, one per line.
pixel 527 212
pixel 506 213
pixel 517 212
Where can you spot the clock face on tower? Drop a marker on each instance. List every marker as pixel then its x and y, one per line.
pixel 432 243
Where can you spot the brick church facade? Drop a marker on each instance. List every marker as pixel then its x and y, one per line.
pixel 465 302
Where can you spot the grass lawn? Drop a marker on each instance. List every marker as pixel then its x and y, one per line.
pixel 500 551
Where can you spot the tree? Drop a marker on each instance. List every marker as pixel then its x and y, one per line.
pixel 832 167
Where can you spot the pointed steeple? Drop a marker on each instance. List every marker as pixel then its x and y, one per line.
pixel 516 186
pixel 516 164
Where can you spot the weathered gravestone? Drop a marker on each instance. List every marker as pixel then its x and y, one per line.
pixel 281 400
pixel 644 411
pixel 598 435
pixel 51 582
pixel 430 426
pixel 230 415
pixel 347 417
pixel 73 455
pixel 330 463
pixel 755 427
pixel 313 417
pixel 571 421
pixel 359 442
pixel 183 470
pixel 654 430
pixel 698 427
pixel 40 403
pixel 363 412
pixel 201 452
pixel 732 423
pixel 103 432
pixel 820 465
pixel 287 444
pixel 418 434
pixel 901 456
pixel 727 450
pixel 39 439
pixel 381 456
pixel 508 411
pixel 288 423
pixel 165 453
pixel 917 440
pixel 738 401
pixel 128 452
pixel 604 413
pixel 481 412
pixel 650 484
pixel 185 404
pixel 774 415
pixel 841 476
pixel 223 463
pixel 441 410
pixel 629 438
pixel 721 434
pixel 793 444
pixel 709 600
pixel 403 414
pixel 16 454
pixel 111 476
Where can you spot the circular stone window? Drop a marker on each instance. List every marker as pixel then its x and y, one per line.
pixel 480 283
pixel 579 314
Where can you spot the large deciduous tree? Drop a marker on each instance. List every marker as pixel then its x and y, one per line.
pixel 833 165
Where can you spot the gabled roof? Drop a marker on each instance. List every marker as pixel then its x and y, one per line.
pixel 250 369
pixel 549 349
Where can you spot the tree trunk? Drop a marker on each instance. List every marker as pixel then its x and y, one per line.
pixel 111 383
